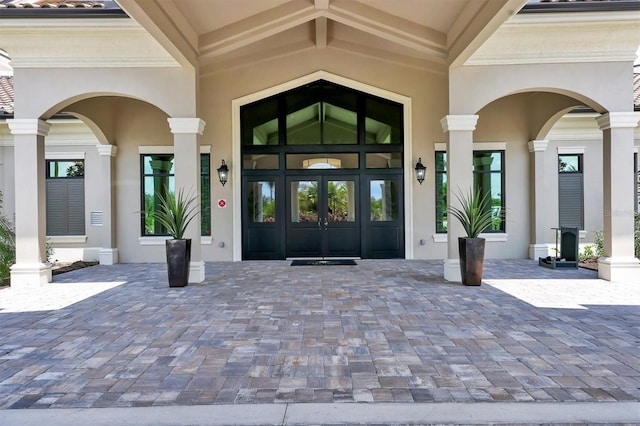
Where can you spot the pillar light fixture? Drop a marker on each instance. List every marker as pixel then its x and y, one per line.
pixel 223 173
pixel 420 170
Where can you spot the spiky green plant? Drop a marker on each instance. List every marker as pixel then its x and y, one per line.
pixel 474 213
pixel 7 246
pixel 176 211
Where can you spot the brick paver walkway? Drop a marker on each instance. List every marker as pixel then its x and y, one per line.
pixel 266 332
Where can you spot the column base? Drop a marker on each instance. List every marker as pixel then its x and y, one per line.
pixel 619 269
pixel 108 256
pixel 452 270
pixel 30 275
pixel 538 250
pixel 196 272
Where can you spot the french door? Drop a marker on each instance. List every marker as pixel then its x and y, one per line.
pixel 322 216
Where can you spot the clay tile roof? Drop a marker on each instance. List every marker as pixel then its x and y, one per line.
pixel 636 86
pixel 57 4
pixel 6 95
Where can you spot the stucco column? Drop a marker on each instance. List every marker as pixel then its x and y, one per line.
pixel 108 252
pixel 618 262
pixel 187 174
pixel 31 268
pixel 459 129
pixel 537 246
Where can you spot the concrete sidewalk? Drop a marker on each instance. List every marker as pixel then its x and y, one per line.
pixel 334 414
pixel 266 337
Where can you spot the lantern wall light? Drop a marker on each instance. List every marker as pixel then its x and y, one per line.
pixel 223 173
pixel 421 170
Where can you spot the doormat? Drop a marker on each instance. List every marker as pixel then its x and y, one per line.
pixel 317 262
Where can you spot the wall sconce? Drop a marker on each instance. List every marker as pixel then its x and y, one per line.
pixel 223 173
pixel 420 170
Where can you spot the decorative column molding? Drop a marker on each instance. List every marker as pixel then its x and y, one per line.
pixel 30 269
pixel 107 150
pixel 538 145
pixel 186 125
pixel 619 262
pixel 459 129
pixel 618 120
pixel 537 246
pixel 186 132
pixel 109 253
pixel 28 126
pixel 452 123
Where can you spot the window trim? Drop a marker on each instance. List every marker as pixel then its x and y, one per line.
pixel 503 174
pixel 169 150
pixel 497 235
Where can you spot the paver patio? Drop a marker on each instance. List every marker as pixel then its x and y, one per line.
pixel 267 332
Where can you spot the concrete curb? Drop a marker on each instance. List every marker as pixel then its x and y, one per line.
pixel 342 413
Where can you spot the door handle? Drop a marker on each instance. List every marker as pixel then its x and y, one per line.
pixel 319 223
pixel 326 223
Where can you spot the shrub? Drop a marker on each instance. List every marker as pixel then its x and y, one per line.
pixel 7 245
pixel 598 240
pixel 586 254
pixel 636 235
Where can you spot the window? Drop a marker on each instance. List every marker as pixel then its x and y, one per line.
pixel 384 196
pixel 158 178
pixel 205 195
pixel 570 191
pixel 488 178
pixel 441 191
pixel 65 197
pixel 636 180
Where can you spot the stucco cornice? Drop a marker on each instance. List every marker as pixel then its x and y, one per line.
pixel 451 123
pixel 561 38
pixel 80 44
pixel 186 125
pixel 618 120
pixel 28 126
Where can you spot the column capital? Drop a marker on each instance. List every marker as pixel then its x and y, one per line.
pixel 618 120
pixel 452 123
pixel 28 126
pixel 538 145
pixel 107 150
pixel 186 125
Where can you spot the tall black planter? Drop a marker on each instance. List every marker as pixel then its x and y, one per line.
pixel 471 252
pixel 178 259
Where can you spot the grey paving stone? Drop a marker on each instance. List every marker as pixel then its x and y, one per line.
pixel 265 332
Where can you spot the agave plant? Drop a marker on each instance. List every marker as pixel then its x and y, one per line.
pixel 176 212
pixel 474 213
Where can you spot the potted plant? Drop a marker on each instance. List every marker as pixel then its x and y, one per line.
pixel 475 216
pixel 175 213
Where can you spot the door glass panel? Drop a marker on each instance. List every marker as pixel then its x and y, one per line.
pixel 384 200
pixel 304 201
pixel 260 123
pixel 384 160
pixel 262 201
pixel 383 122
pixel 319 161
pixel 341 201
pixel 260 161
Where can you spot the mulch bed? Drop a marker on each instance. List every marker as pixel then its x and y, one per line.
pixel 590 264
pixel 68 267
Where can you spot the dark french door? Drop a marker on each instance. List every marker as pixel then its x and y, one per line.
pixel 322 216
pixel 322 175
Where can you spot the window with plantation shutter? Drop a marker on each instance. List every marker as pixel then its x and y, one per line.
pixel 65 197
pixel 570 191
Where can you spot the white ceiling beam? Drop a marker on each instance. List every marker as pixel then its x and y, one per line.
pixel 256 28
pixel 321 32
pixel 389 27
pixel 475 24
pixel 435 67
pixel 167 26
pixel 252 59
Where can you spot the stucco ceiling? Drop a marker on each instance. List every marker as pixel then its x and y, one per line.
pixel 426 34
